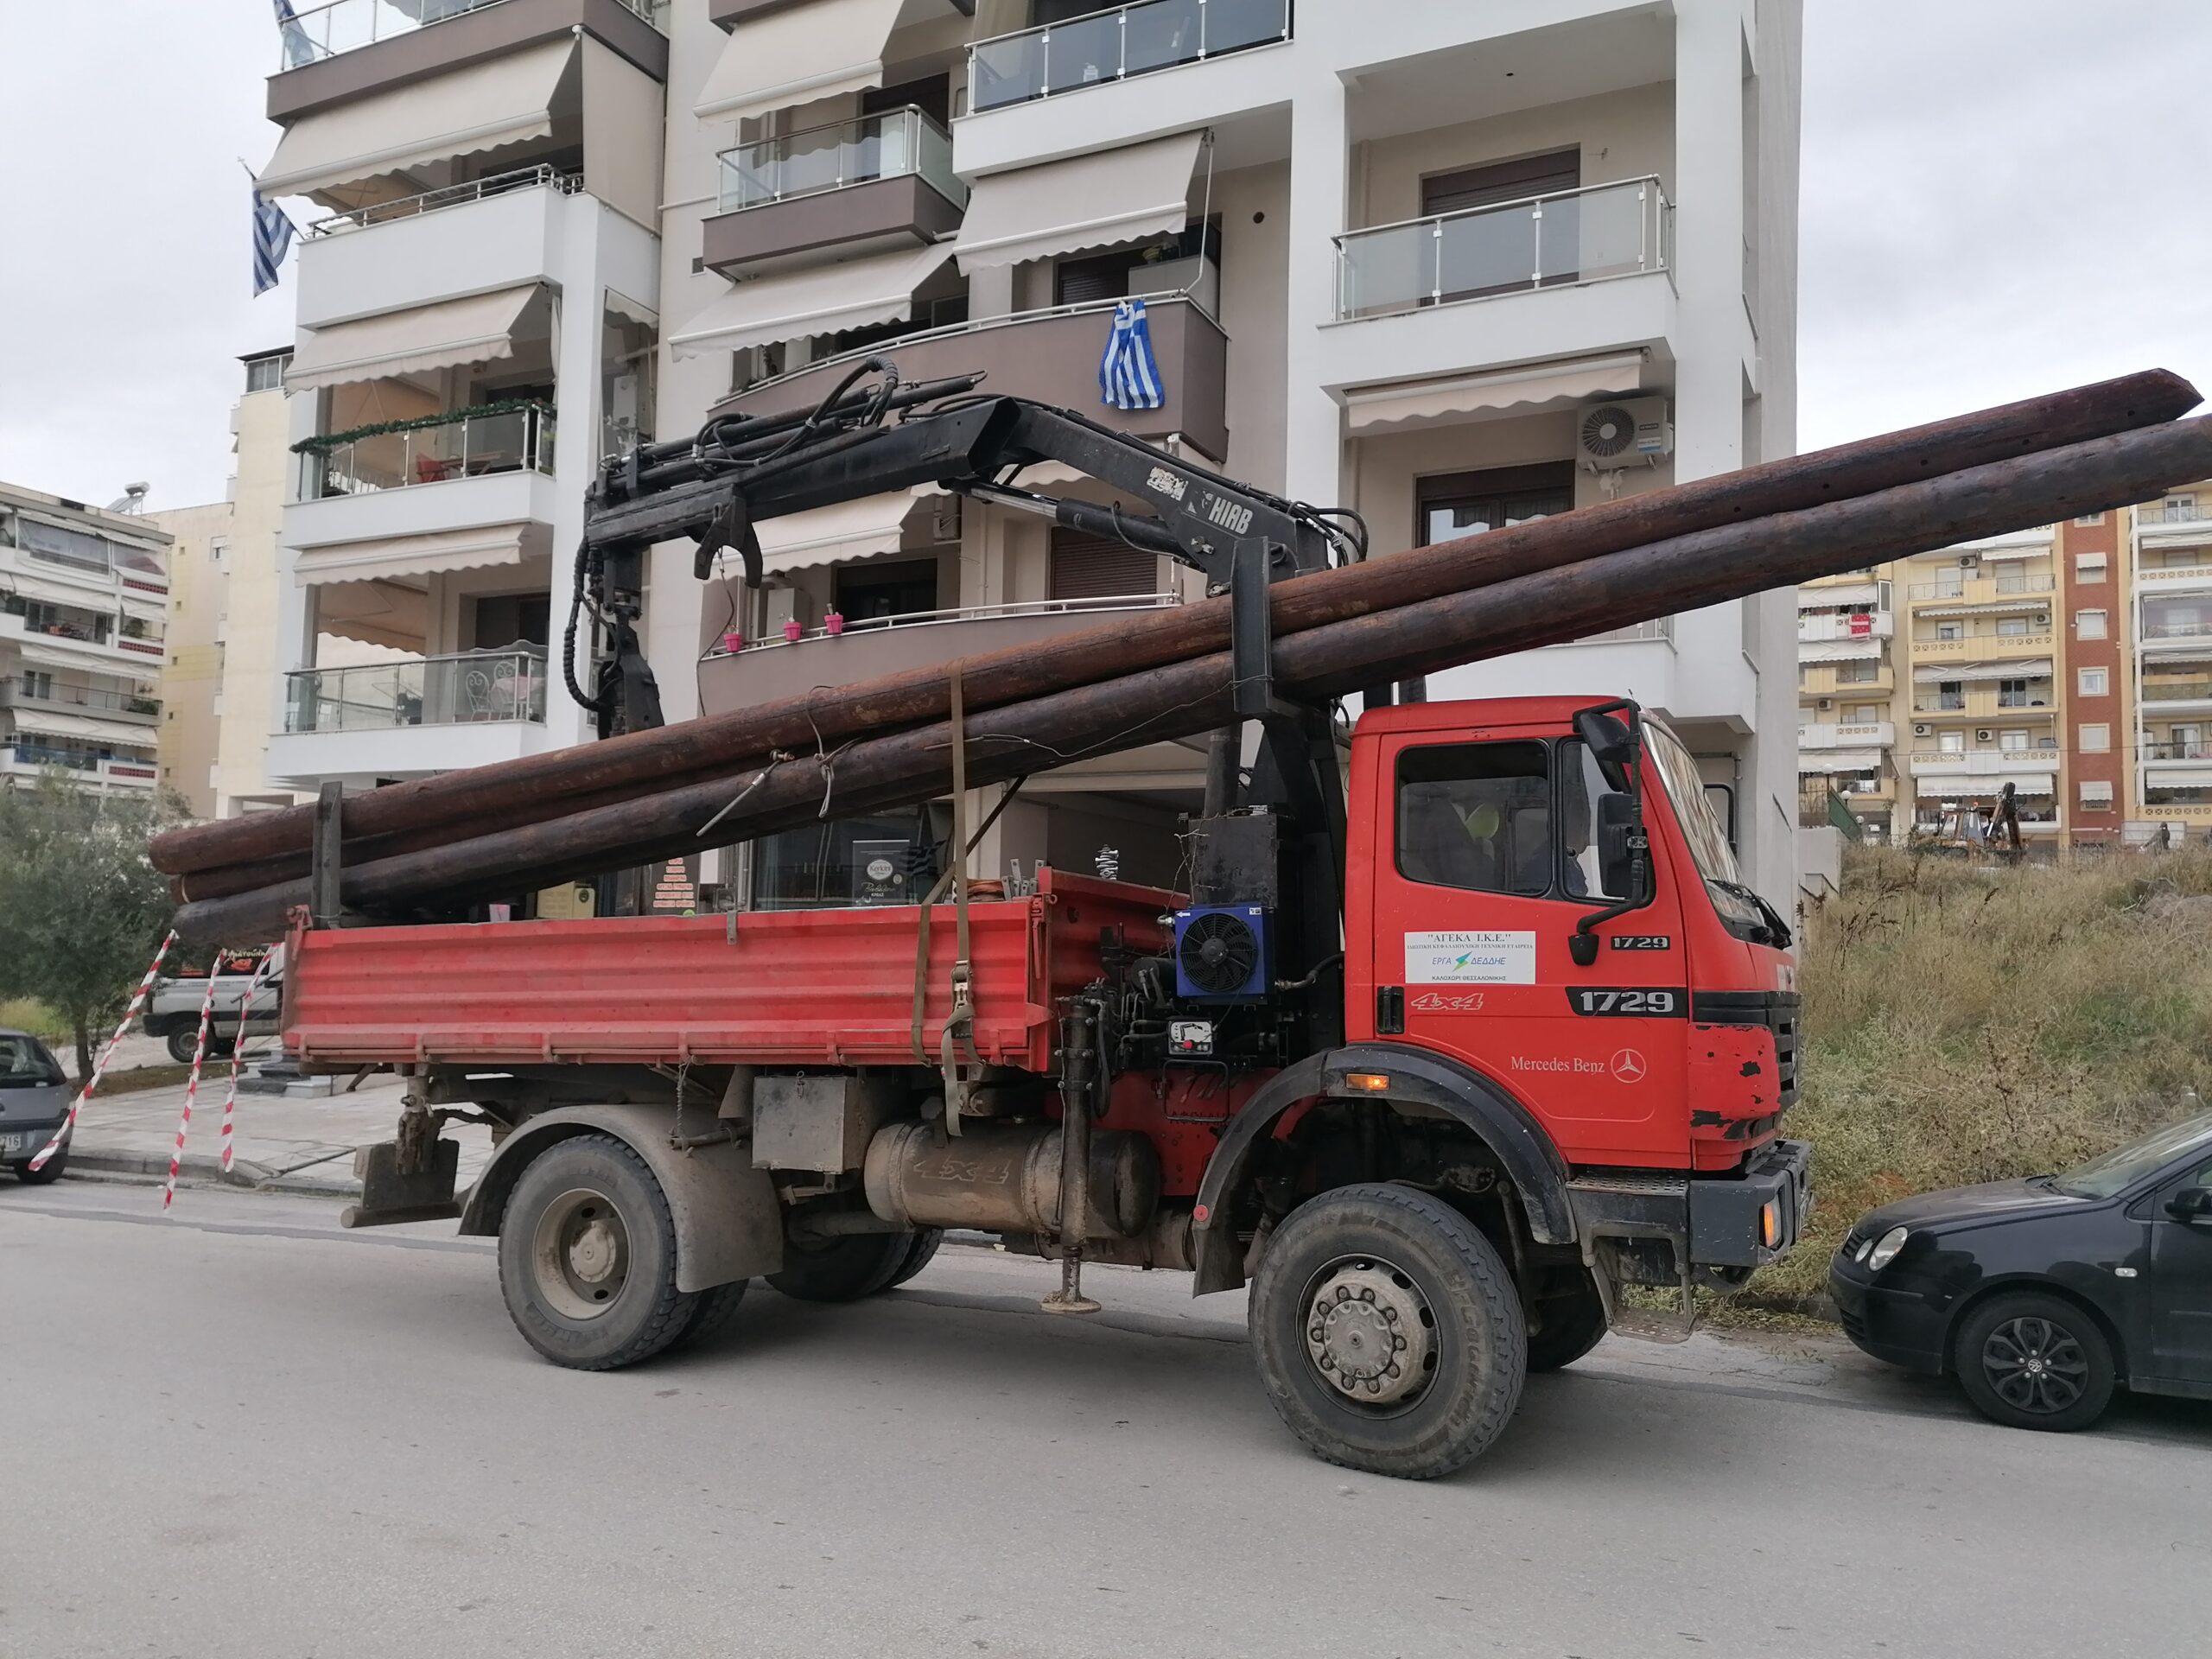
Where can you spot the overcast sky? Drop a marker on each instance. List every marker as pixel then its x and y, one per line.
pixel 2000 197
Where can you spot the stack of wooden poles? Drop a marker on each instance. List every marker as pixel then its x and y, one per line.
pixel 873 745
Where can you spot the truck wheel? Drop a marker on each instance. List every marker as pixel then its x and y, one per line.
pixel 711 1310
pixel 926 1240
pixel 841 1269
pixel 1388 1333
pixel 588 1257
pixel 1569 1326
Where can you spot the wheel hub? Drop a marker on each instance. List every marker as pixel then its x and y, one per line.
pixel 592 1253
pixel 580 1255
pixel 1370 1333
pixel 2035 1365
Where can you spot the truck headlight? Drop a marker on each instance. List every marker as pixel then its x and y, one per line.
pixel 1885 1249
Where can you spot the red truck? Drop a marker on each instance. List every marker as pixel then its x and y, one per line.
pixel 1456 1058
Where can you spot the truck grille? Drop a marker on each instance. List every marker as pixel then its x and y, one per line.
pixel 1775 1010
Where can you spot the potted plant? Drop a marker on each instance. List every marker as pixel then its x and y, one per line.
pixel 833 622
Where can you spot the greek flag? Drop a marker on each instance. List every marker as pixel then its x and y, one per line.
pixel 1128 376
pixel 272 240
pixel 298 48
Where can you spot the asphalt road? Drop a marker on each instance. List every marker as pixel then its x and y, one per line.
pixel 240 1433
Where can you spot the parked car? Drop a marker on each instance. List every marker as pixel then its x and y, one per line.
pixel 173 1010
pixel 2042 1295
pixel 34 1096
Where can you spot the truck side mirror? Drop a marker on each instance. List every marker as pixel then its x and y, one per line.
pixel 1606 736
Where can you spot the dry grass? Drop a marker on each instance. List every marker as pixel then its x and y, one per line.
pixel 27 1013
pixel 1966 1025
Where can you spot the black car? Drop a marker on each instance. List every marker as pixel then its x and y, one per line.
pixel 2042 1295
pixel 34 1097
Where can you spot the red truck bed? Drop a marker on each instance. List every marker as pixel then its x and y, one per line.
pixel 797 988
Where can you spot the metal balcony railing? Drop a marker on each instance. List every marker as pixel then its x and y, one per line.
pixel 1600 231
pixel 468 443
pixel 22 756
pixel 1132 40
pixel 2186 749
pixel 861 626
pixel 889 145
pixel 1651 628
pixel 473 687
pixel 2176 628
pixel 19 690
pixel 342 26
pixel 453 195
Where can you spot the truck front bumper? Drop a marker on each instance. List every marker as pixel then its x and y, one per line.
pixel 1752 1215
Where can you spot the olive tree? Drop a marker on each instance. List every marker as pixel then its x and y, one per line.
pixel 81 910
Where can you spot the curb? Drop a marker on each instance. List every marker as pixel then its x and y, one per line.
pixel 201 1171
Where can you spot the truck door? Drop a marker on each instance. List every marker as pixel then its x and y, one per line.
pixel 1480 878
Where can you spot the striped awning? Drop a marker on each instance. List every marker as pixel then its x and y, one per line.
pixel 2030 668
pixel 84 729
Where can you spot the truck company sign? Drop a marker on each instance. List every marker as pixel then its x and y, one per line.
pixel 1462 958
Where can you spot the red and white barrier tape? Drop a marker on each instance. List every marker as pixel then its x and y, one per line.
pixel 99 1066
pixel 237 1051
pixel 191 1090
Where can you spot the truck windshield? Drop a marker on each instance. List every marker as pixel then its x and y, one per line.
pixel 1746 915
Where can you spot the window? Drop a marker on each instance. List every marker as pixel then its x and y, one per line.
pixel 1503 256
pixel 1464 504
pixel 1863 714
pixel 2089 519
pixel 2093 738
pixel 2091 682
pixel 2089 625
pixel 1950 696
pixel 2096 793
pixel 2012 742
pixel 1099 567
pixel 217 550
pixel 1860 673
pixel 2174 509
pixel 2089 567
pixel 908 588
pixel 267 373
pixel 1950 630
pixel 1951 742
pixel 2011 694
pixel 2013 626
pixel 1475 816
pixel 38 683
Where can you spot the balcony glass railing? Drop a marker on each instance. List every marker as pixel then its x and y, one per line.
pixel 1133 40
pixel 454 195
pixel 318 32
pixel 890 145
pixel 476 687
pixel 1576 236
pixel 2176 627
pixel 2194 748
pixel 22 691
pixel 470 444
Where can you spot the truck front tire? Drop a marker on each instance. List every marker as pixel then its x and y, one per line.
pixel 1568 1327
pixel 588 1257
pixel 1388 1331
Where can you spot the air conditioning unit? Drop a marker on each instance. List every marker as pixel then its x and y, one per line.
pixel 1634 432
pixel 1221 953
pixel 1983 734
pixel 1969 561
pixel 1827 703
pixel 1922 729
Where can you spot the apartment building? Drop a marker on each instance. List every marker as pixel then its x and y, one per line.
pixel 2168 617
pixel 220 688
pixel 1847 678
pixel 82 642
pixel 1454 266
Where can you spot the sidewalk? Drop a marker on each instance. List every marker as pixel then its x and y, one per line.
pixel 281 1145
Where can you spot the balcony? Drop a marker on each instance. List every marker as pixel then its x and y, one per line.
pixel 1984 648
pixel 1113 46
pixel 29 760
pixel 1982 590
pixel 1052 356
pixel 2196 749
pixel 469 443
pixel 103 567
pixel 127 706
pixel 1876 625
pixel 1981 703
pixel 1660 628
pixel 1571 237
pixel 453 195
pixel 1985 763
pixel 88 639
pixel 1872 735
pixel 475 687
pixel 731 681
pixel 343 26
pixel 2176 575
pixel 2177 691
pixel 2174 629
pixel 884 181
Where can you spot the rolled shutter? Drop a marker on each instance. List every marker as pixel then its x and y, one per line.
pixel 1096 566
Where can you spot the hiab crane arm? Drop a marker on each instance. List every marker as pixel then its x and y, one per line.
pixel 873 434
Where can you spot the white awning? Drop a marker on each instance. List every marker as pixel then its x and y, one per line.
pixel 1988 606
pixel 1858 650
pixel 1408 405
pixel 430 554
pixel 1838 760
pixel 1982 788
pixel 479 329
pixel 796 55
pixel 504 100
pixel 1094 201
pixel 2178 778
pixel 49 651
pixel 820 300
pixel 1851 595
pixel 54 591
pixel 2033 668
pixel 85 729
pixel 864 529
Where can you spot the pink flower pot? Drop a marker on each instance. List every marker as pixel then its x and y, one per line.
pixel 793 630
pixel 833 623
pixel 733 642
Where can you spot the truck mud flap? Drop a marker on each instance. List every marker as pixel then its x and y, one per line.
pixel 391 1194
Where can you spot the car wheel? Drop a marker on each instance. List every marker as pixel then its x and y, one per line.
pixel 1568 1327
pixel 841 1269
pixel 2029 1360
pixel 47 1176
pixel 182 1042
pixel 588 1257
pixel 1388 1331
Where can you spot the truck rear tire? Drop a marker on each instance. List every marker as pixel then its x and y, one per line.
pixel 1570 1326
pixel 711 1310
pixel 588 1257
pixel 926 1240
pixel 1388 1333
pixel 842 1269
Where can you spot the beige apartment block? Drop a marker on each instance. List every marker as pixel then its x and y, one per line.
pixel 2168 673
pixel 1402 257
pixel 83 642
